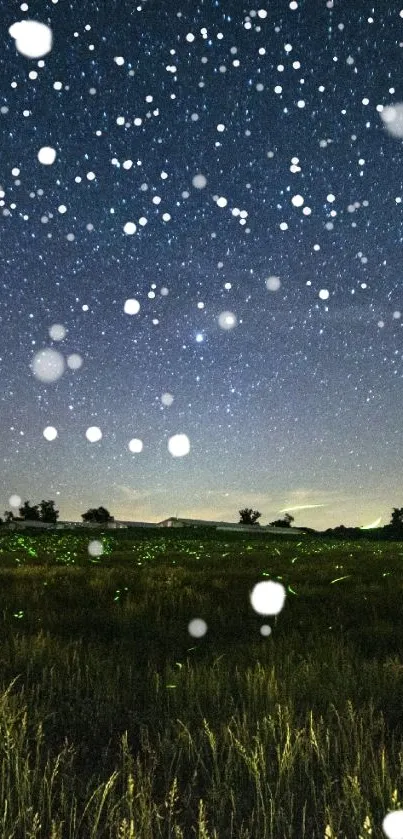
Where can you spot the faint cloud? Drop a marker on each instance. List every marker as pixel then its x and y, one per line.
pixel 301 507
pixel 133 494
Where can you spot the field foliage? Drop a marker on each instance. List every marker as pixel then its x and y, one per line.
pixel 116 722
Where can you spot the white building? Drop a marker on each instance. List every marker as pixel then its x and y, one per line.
pixel 20 524
pixel 265 528
pixel 173 521
pixel 125 524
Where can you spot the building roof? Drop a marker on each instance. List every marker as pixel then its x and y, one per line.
pixel 200 522
pixel 123 523
pixel 225 525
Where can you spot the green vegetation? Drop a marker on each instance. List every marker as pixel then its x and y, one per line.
pixel 116 722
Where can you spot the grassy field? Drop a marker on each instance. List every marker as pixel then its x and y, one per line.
pixel 116 722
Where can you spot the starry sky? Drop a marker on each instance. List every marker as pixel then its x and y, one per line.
pixel 237 172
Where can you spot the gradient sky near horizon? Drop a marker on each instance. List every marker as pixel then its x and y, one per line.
pixel 237 171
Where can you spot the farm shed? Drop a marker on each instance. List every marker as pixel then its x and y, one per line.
pixel 173 521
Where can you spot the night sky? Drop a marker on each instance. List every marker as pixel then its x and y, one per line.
pixel 238 172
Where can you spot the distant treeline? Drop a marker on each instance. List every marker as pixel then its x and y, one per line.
pixel 47 512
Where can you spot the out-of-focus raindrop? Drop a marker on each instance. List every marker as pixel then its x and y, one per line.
pixel 129 228
pixel 199 181
pixel 227 320
pixel 57 332
pixel 93 434
pixel 131 307
pixel 392 824
pixel 74 361
pixel 48 365
pixel 46 155
pixel 392 118
pixel 197 628
pixel 50 433
pixel 273 283
pixel 267 597
pixel 179 445
pixel 32 38
pixel 135 445
pixel 95 548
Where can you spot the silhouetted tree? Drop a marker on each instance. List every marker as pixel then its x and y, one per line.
pixel 285 522
pixel 396 522
pixel 99 515
pixel 29 512
pixel 8 516
pixel 48 512
pixel 249 516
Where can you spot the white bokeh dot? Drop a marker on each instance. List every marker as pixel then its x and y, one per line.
pixel 93 434
pixel 50 433
pixel 129 228
pixel 95 548
pixel 267 597
pixel 227 320
pixel 15 501
pixel 393 824
pixel 33 39
pixel 179 445
pixel 199 181
pixel 167 399
pixel 74 361
pixel 273 283
pixel 131 306
pixel 392 118
pixel 197 628
pixel 135 445
pixel 57 332
pixel 48 365
pixel 46 155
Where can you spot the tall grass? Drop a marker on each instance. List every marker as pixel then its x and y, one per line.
pixel 115 722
